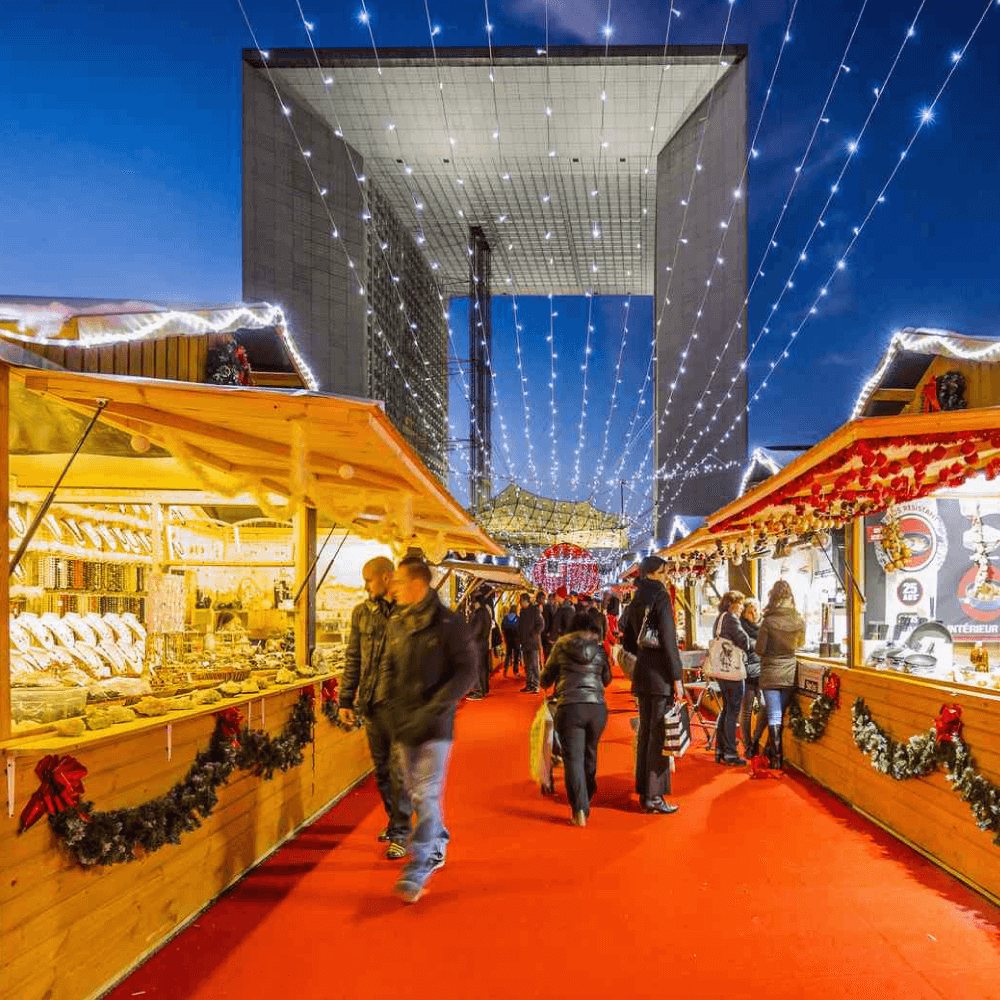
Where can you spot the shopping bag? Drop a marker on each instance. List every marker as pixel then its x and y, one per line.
pixel 627 661
pixel 677 730
pixel 724 660
pixel 542 730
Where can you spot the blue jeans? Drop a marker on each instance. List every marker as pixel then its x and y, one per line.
pixel 388 777
pixel 776 700
pixel 425 767
pixel 725 732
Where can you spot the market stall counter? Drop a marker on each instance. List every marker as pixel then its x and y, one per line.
pixel 167 702
pixel 888 533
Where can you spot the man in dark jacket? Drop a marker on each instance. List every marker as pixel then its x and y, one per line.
pixel 657 677
pixel 562 620
pixel 580 671
pixel 431 667
pixel 529 627
pixel 481 627
pixel 362 692
pixel 597 621
pixel 512 641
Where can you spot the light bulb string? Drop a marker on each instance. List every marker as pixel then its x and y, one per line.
pixel 924 120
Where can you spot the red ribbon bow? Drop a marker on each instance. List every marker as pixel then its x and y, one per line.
pixel 61 789
pixel 232 722
pixel 330 689
pixel 831 688
pixel 760 768
pixel 948 724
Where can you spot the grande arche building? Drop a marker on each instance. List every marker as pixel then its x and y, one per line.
pixel 437 178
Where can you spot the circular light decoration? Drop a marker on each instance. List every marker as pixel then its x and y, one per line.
pixel 566 565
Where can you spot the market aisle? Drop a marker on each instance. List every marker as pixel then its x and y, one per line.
pixel 765 888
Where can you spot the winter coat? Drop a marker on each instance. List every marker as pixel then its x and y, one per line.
pixel 656 670
pixel 365 655
pixel 579 668
pixel 752 629
pixel 548 613
pixel 432 664
pixel 509 627
pixel 481 625
pixel 529 627
pixel 782 632
pixel 597 618
pixel 732 629
pixel 562 621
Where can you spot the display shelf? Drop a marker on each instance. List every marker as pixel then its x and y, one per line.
pixel 51 743
pixel 192 564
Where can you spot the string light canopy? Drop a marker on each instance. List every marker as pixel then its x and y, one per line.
pixel 514 188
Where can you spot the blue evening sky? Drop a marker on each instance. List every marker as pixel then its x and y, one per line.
pixel 120 173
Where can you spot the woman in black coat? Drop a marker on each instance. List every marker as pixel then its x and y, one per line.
pixel 579 668
pixel 750 620
pixel 728 626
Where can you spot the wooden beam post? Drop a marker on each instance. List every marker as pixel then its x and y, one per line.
pixel 854 551
pixel 5 720
pixel 305 610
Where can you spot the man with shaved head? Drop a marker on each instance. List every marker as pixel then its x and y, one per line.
pixel 364 691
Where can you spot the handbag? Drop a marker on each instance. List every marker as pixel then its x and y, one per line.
pixel 677 729
pixel 627 659
pixel 724 661
pixel 649 636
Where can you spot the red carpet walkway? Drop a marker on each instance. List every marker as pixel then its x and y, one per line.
pixel 769 889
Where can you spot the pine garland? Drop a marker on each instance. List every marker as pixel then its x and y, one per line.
pixel 923 753
pixel 812 728
pixel 105 838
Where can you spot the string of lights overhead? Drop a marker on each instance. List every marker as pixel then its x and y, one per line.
pixel 925 118
pixel 575 482
pixel 801 257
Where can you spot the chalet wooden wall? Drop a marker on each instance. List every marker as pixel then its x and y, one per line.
pixel 925 811
pixel 982 382
pixel 67 932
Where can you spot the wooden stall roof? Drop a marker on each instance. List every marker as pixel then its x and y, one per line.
pixel 342 455
pixel 91 323
pixel 820 479
pixel 910 354
pixel 508 577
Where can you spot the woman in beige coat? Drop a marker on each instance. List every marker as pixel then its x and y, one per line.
pixel 782 632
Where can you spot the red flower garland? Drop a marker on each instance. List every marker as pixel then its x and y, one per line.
pixel 61 788
pixel 232 723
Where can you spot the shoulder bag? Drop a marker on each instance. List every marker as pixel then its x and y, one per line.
pixel 725 660
pixel 627 660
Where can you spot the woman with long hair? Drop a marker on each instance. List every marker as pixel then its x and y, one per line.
pixel 580 671
pixel 727 626
pixel 782 632
pixel 750 620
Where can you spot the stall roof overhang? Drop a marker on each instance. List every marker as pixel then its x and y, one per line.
pixel 519 517
pixel 390 108
pixel 507 577
pixel 342 455
pixel 837 457
pixel 902 368
pixel 90 323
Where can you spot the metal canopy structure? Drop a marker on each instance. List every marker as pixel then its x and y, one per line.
pixel 393 112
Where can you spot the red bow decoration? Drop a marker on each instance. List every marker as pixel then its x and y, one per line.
pixel 310 693
pixel 61 789
pixel 948 724
pixel 329 689
pixel 232 723
pixel 831 688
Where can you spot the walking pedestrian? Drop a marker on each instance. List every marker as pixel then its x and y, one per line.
pixel 580 671
pixel 431 668
pixel 782 632
pixel 363 692
pixel 562 619
pixel 508 626
pixel 529 627
pixel 750 621
pixel 481 626
pixel 727 626
pixel 596 616
pixel 657 677
pixel 547 610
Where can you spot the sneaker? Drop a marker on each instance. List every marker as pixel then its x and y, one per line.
pixel 733 761
pixel 475 696
pixel 525 689
pixel 579 818
pixel 383 837
pixel 395 851
pixel 437 861
pixel 409 890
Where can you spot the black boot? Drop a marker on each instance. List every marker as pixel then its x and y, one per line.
pixel 777 752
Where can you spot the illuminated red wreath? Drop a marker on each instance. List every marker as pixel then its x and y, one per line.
pixel 566 565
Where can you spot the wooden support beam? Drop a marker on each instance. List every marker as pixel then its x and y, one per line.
pixel 5 719
pixel 893 395
pixel 305 610
pixel 854 554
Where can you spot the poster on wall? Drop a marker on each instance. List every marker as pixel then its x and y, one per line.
pixel 950 541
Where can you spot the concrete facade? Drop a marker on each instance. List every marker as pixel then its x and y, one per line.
pixel 723 155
